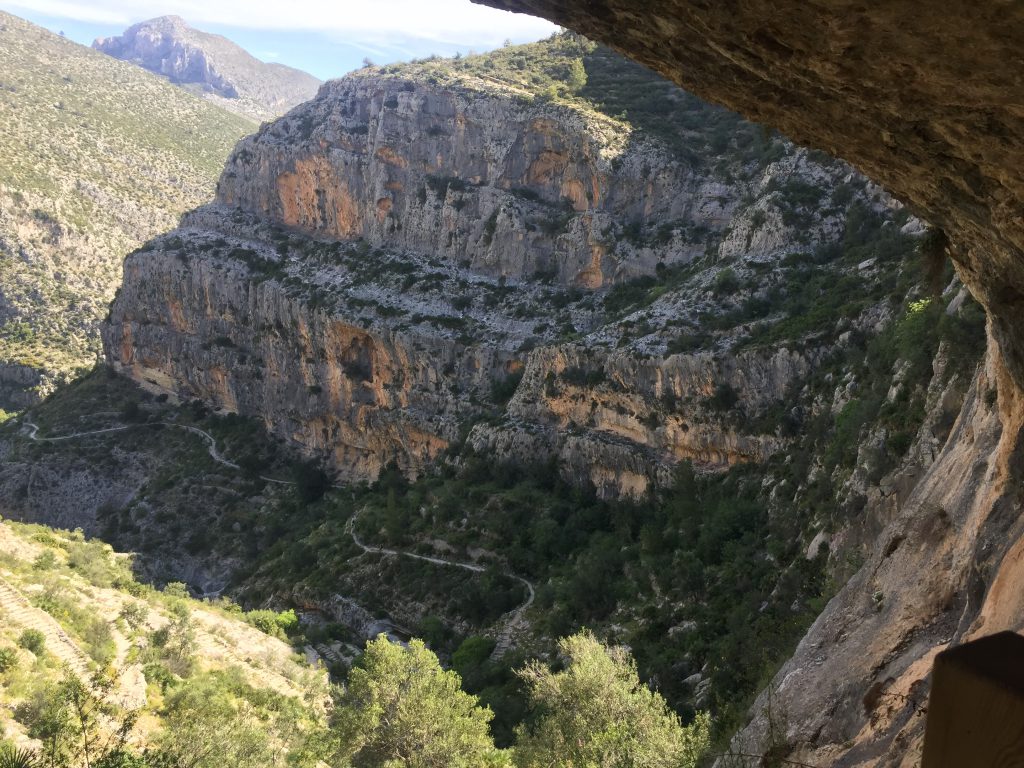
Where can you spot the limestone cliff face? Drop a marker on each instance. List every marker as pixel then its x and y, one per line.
pixel 622 422
pixel 359 398
pixel 922 102
pixel 384 257
pixel 943 532
pixel 252 320
pixel 495 180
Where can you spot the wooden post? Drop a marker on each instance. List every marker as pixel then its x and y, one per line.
pixel 976 705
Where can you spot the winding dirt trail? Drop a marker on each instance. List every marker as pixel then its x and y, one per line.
pixel 514 621
pixel 211 442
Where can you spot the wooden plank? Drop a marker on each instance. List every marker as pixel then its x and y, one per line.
pixel 976 705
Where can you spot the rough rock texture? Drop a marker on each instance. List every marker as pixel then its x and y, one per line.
pixel 20 385
pixel 603 416
pixel 946 529
pixel 926 102
pixel 272 302
pixel 504 184
pixel 254 321
pixel 204 329
pixel 219 69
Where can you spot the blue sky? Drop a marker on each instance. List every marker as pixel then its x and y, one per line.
pixel 324 37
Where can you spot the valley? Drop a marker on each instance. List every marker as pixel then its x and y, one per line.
pixel 498 351
pixel 85 177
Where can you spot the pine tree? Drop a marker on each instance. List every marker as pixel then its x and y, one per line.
pixel 400 709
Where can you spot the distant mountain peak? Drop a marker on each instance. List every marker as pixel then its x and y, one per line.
pixel 211 65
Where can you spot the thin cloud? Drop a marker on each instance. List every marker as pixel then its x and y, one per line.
pixel 376 22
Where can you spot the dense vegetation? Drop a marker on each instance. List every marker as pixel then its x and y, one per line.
pixel 709 581
pixel 195 706
pixel 96 664
pixel 710 577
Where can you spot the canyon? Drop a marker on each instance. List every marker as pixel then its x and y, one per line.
pixel 540 312
pixel 382 258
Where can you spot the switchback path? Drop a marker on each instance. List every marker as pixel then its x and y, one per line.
pixel 514 621
pixel 211 442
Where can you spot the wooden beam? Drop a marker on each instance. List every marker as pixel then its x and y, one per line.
pixel 976 705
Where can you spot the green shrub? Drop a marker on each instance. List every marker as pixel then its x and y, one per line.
pixel 99 641
pixel 176 589
pixel 725 282
pixel 12 757
pixel 32 640
pixel 46 561
pixel 135 614
pixel 272 623
pixel 8 659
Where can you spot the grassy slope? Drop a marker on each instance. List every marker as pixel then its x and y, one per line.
pixel 96 156
pixel 151 646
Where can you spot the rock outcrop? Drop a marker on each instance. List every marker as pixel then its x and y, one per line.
pixel 925 102
pixel 498 182
pixel 391 262
pixel 620 422
pixel 213 65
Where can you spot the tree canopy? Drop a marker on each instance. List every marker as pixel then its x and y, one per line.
pixel 595 713
pixel 400 709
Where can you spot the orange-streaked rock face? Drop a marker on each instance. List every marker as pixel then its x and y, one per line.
pixel 358 398
pixel 313 197
pixel 506 186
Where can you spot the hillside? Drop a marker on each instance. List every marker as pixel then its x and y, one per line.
pixel 140 665
pixel 96 156
pixel 211 66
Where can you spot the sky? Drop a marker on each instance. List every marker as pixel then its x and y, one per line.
pixel 326 38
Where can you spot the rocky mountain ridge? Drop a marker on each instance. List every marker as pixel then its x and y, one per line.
pixel 211 66
pixel 525 208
